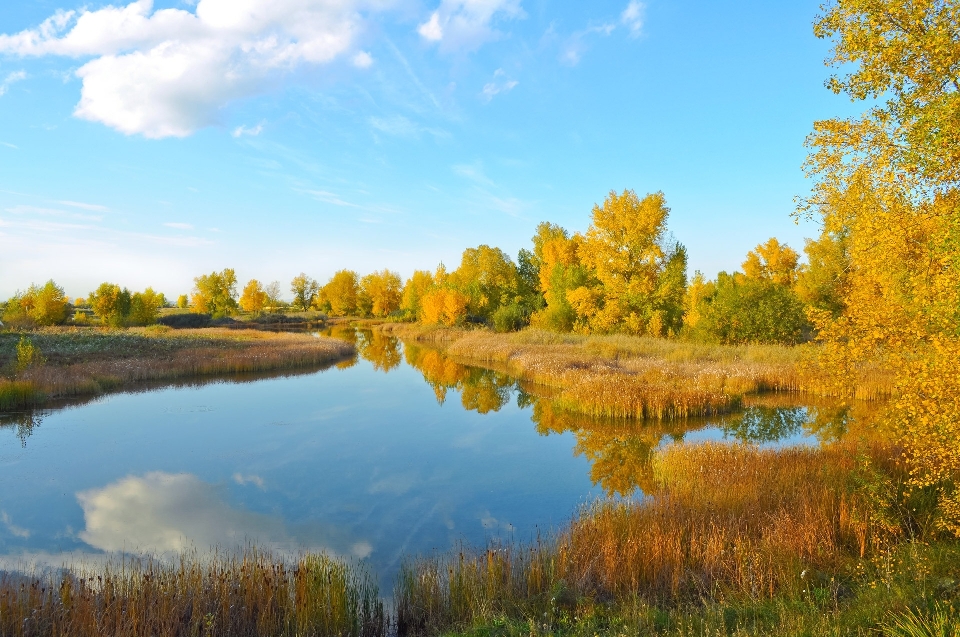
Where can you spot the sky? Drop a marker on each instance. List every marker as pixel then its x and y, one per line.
pixel 146 143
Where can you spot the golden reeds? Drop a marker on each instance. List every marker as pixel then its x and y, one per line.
pixel 617 376
pixel 726 522
pixel 251 595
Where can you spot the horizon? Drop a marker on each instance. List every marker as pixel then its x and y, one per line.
pixel 149 143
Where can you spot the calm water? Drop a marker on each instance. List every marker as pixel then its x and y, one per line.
pixel 397 452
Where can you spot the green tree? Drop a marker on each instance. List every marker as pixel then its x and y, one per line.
pixel 111 304
pixel 743 310
pixel 39 305
pixel 488 277
pixel 304 289
pixel 145 307
pixel 183 302
pixel 216 293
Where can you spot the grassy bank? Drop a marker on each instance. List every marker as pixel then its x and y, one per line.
pixel 635 377
pixel 74 362
pixel 733 540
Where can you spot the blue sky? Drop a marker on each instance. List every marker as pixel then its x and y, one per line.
pixel 146 143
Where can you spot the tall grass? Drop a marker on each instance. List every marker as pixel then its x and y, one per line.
pixel 91 361
pixel 617 376
pixel 251 595
pixel 727 522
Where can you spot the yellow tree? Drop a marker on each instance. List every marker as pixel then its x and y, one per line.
pixel 772 261
pixel 340 293
pixel 413 291
pixel 111 304
pixel 215 293
pixel 253 298
pixel 145 307
pixel 488 277
pixel 379 293
pixel 887 182
pixel 304 289
pixel 625 254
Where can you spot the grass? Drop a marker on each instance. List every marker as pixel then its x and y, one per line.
pixel 91 361
pixel 643 378
pixel 250 595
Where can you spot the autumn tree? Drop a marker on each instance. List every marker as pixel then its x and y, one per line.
pixel 340 293
pixel 111 304
pixel 183 302
pixel 772 261
pixel 379 294
pixel 488 278
pixel 626 251
pixel 39 305
pixel 274 295
pixel 414 290
pixel 304 290
pixel 215 293
pixel 145 307
pixel 254 298
pixel 887 182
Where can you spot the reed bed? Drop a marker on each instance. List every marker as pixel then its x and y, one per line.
pixel 727 523
pixel 81 361
pixel 617 376
pixel 253 594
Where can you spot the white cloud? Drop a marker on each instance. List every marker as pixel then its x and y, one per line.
pixel 84 206
pixel 464 25
pixel 362 60
pixel 50 212
pixel 9 145
pixel 576 44
pixel 10 79
pixel 169 72
pixel 244 480
pixel 15 530
pixel 632 17
pixel 499 85
pixel 240 131
pixel 179 226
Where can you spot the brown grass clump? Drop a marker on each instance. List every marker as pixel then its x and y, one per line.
pixel 250 595
pixel 726 522
pixel 618 376
pixel 81 361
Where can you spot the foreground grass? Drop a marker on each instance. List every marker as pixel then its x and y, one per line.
pixel 88 361
pixel 620 376
pixel 734 541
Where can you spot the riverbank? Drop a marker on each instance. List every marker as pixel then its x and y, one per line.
pixel 77 362
pixel 734 540
pixel 635 377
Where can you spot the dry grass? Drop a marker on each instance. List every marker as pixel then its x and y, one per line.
pixel 250 595
pixel 726 523
pixel 85 361
pixel 633 377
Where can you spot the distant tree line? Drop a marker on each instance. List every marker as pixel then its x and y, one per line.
pixel 625 274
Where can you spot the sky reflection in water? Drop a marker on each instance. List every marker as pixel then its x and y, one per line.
pixel 364 459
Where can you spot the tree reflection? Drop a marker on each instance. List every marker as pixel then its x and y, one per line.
pixel 378 348
pixel 481 390
pixel 22 423
pixel 760 424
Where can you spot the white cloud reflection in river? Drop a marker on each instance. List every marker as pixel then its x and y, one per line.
pixel 168 513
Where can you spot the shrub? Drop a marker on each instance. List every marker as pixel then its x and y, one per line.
pixel 183 321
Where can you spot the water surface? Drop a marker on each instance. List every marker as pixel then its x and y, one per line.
pixel 399 451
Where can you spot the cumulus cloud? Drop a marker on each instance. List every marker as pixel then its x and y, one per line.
pixel 168 513
pixel 632 18
pixel 500 84
pixel 464 25
pixel 362 60
pixel 168 72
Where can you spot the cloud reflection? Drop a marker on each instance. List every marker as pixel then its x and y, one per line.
pixel 169 513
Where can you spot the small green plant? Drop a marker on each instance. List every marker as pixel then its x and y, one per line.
pixel 27 354
pixel 942 622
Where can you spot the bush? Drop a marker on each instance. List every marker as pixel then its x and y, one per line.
pixel 509 318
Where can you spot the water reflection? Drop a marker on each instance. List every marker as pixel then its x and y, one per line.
pixel 22 423
pixel 169 513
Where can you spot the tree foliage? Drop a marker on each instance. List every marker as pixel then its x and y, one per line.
pixel 253 298
pixel 304 290
pixel 886 185
pixel 39 305
pixel 215 293
pixel 339 295
pixel 380 293
pixel 111 304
